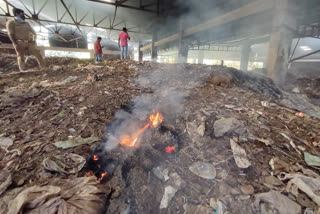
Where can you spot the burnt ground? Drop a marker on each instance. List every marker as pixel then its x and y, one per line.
pixel 73 98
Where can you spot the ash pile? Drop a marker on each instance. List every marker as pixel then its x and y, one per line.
pixel 128 137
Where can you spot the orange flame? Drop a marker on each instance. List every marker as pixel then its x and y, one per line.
pixel 154 120
pixel 102 176
pixel 95 157
pixel 170 149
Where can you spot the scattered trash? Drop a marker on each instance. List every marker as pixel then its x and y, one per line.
pixel 170 190
pixel 45 83
pixel 220 208
pixel 311 160
pixel 68 163
pixel 5 180
pixel 195 130
pixel 72 130
pixel 275 202
pixel 228 125
pixel 67 80
pixel 203 170
pixel 279 165
pixel 296 90
pixel 5 142
pixel 213 203
pixel 240 155
pixel 271 181
pixel 308 185
pixel 91 66
pixel 265 103
pixel 247 189
pixel 161 173
pixel 75 142
pixel 301 148
pixel 268 141
pixel 56 67
pixel 291 143
pixel 77 195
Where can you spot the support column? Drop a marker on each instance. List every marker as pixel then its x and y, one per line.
pixel 140 53
pixel 154 52
pixel 200 57
pixel 245 54
pixel 280 42
pixel 182 45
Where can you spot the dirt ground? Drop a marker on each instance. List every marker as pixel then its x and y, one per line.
pixel 74 100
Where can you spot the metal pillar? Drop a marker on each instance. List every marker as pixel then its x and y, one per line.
pixel 182 46
pixel 200 57
pixel 245 54
pixel 140 52
pixel 154 52
pixel 280 42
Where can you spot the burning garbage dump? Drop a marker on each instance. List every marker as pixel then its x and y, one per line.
pixel 226 150
pixel 155 119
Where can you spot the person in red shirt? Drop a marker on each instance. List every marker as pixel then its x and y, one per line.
pixel 98 50
pixel 123 42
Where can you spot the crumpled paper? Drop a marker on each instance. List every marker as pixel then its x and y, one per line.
pixel 308 185
pixel 75 142
pixel 240 155
pixel 274 202
pixel 5 180
pixel 63 196
pixel 67 163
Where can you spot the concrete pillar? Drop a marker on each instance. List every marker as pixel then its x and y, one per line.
pixel 245 54
pixel 140 53
pixel 182 45
pixel 200 57
pixel 154 52
pixel 280 42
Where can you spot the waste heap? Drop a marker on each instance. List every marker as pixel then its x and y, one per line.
pixel 228 142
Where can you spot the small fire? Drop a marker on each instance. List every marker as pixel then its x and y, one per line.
pixel 102 176
pixel 154 120
pixel 95 157
pixel 170 149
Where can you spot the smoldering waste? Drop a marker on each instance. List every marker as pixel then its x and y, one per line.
pixel 226 142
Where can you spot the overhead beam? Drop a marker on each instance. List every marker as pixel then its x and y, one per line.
pixel 70 14
pixel 242 12
pixel 81 25
pixel 123 5
pixel 119 2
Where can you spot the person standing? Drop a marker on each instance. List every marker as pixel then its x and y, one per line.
pixel 123 42
pixel 23 38
pixel 98 50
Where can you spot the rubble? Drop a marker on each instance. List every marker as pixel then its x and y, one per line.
pixel 240 125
